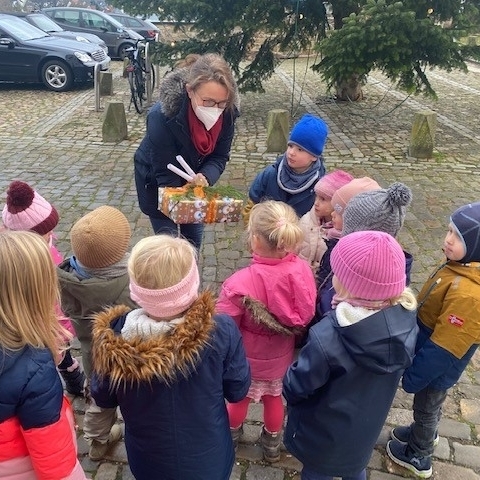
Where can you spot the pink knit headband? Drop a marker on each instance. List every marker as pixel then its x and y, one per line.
pixel 171 301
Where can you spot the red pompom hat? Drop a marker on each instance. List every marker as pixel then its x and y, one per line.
pixel 27 210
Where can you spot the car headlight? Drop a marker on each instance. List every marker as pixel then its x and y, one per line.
pixel 83 57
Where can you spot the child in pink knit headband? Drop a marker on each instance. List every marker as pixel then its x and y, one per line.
pixel 170 365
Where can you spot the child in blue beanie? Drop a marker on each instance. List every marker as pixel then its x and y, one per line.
pixel 294 174
pixel 449 335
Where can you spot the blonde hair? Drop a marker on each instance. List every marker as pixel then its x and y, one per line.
pixel 277 223
pixel 210 67
pixel 28 294
pixel 407 300
pixel 160 261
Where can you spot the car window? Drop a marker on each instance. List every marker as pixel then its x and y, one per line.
pixel 69 17
pixel 44 23
pixel 134 23
pixel 92 20
pixel 20 29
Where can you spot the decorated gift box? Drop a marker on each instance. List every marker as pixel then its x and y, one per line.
pixel 193 204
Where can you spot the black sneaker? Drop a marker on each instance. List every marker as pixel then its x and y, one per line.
pixel 74 380
pixel 401 434
pixel 404 456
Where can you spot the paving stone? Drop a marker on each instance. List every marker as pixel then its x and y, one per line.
pixel 54 141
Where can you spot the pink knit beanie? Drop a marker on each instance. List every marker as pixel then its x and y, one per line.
pixel 170 301
pixel 27 210
pixel 358 185
pixel 370 265
pixel 331 182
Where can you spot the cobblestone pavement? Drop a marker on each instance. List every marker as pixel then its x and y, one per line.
pixel 54 142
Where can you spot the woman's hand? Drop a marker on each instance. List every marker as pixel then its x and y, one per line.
pixel 200 180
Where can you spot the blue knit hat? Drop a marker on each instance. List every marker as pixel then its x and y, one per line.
pixel 310 133
pixel 466 220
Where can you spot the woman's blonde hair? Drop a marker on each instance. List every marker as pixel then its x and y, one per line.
pixel 207 68
pixel 277 223
pixel 28 294
pixel 407 300
pixel 160 261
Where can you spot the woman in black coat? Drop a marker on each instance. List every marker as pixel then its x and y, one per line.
pixel 194 118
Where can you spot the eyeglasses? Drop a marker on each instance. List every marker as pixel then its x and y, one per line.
pixel 213 103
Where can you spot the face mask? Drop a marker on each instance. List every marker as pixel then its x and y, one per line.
pixel 208 115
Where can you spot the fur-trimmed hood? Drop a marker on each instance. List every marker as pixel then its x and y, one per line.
pixel 162 356
pixel 172 92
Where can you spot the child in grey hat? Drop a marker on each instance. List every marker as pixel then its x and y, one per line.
pixel 381 210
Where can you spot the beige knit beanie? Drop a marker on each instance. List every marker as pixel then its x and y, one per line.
pixel 100 238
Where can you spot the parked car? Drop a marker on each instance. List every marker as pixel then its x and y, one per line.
pixel 46 24
pixel 29 55
pixel 85 20
pixel 145 28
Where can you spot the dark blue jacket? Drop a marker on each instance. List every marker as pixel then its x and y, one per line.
pixel 340 389
pixel 167 136
pixel 266 187
pixel 171 390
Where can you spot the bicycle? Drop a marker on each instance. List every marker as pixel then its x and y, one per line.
pixel 138 69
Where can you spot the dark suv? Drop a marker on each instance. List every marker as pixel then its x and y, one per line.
pixel 145 28
pixel 113 33
pixel 28 54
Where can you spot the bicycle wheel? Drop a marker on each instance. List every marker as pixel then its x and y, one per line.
pixel 136 96
pixel 140 82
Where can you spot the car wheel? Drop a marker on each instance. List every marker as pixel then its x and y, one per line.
pixel 121 50
pixel 57 75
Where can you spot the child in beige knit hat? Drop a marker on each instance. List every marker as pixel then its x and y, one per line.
pixel 93 277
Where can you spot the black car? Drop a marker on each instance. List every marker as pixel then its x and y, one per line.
pixel 145 28
pixel 46 24
pixel 27 54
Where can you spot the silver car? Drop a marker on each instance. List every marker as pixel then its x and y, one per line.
pixel 84 20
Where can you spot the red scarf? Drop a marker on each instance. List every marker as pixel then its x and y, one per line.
pixel 204 140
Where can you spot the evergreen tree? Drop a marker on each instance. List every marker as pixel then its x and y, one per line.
pixel 401 38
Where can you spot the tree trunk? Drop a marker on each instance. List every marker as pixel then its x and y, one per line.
pixel 350 90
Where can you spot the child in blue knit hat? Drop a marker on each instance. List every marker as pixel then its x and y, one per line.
pixel 448 307
pixel 294 174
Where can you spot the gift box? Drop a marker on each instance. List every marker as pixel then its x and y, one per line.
pixel 193 204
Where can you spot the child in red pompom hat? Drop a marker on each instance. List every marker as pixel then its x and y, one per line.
pixel 27 210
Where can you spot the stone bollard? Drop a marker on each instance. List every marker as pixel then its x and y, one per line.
pixel 114 128
pixel 278 125
pixel 422 139
pixel 106 83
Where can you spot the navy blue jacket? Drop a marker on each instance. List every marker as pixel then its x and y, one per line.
pixel 171 391
pixel 340 389
pixel 266 187
pixel 167 136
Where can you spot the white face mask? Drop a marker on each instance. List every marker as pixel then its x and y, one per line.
pixel 208 115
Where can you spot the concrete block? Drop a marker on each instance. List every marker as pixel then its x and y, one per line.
pixel 114 128
pixel 278 127
pixel 422 139
pixel 106 84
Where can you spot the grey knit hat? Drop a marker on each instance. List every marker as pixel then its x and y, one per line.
pixel 380 210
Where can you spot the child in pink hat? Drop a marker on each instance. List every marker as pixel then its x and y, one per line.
pixel 341 387
pixel 317 224
pixel 340 199
pixel 27 210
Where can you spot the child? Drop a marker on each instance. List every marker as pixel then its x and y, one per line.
pixel 26 209
pixel 291 178
pixel 169 366
pixel 340 389
pixel 449 305
pixel 270 301
pixel 381 210
pixel 37 434
pixel 339 201
pixel 93 277
pixel 317 223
